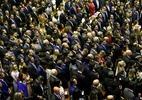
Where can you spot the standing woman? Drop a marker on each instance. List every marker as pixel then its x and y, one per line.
pixel 15 75
pixel 91 7
pixel 22 86
pixel 27 80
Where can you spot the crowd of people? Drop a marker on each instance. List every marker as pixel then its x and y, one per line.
pixel 76 49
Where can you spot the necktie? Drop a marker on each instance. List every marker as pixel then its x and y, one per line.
pixel 42 89
pixel 59 96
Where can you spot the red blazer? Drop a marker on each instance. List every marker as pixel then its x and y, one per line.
pixel 91 8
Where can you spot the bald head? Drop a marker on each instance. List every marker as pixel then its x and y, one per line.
pixel 96 82
pixel 56 89
pixel 128 52
pixel 54 72
pixel 110 97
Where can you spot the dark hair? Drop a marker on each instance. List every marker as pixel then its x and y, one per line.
pixel 40 78
pixel 93 95
pixel 108 63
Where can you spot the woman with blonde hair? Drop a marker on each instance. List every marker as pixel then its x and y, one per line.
pixel 120 66
pixel 15 75
pixel 18 96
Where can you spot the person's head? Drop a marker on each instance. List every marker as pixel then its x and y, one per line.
pixel 96 82
pixel 56 90
pixel 110 97
pixel 2 75
pixel 1 43
pixel 18 96
pixel 40 79
pixel 122 63
pixel 111 74
pixel 32 60
pixel 54 72
pixel 128 52
pixel 109 64
pixel 93 95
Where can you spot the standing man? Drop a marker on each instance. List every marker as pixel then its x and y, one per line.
pixel 38 89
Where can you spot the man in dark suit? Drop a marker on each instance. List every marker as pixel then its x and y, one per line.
pixel 4 36
pixel 81 79
pixel 32 68
pixel 35 14
pixel 49 28
pixel 127 57
pixel 18 19
pixel 58 3
pixel 94 87
pixel 12 20
pixel 74 92
pixel 61 73
pixel 22 14
pixel 13 2
pixel 6 26
pixel 62 17
pixel 56 95
pixel 67 5
pixel 1 20
pixel 5 90
pixel 8 78
pixel 5 60
pixel 3 50
pixel 111 85
pixel 54 81
pixel 38 89
pixel 6 6
pixel 108 68
pixel 73 9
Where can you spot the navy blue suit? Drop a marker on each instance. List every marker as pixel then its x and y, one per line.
pixel 32 70
pixel 4 89
pixel 67 5
pixel 73 11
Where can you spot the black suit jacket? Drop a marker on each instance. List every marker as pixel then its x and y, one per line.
pixel 5 62
pixel 93 88
pixel 87 46
pixel 37 90
pixel 5 38
pixel 1 23
pixel 68 5
pixel 35 16
pixel 49 30
pixel 32 70
pixel 6 7
pixel 18 20
pixel 62 19
pixel 13 2
pixel 112 87
pixel 81 80
pixel 7 28
pixel 2 52
pixel 9 80
pixel 23 16
pixel 105 72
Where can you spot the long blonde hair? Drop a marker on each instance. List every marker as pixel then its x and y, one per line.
pixel 120 66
